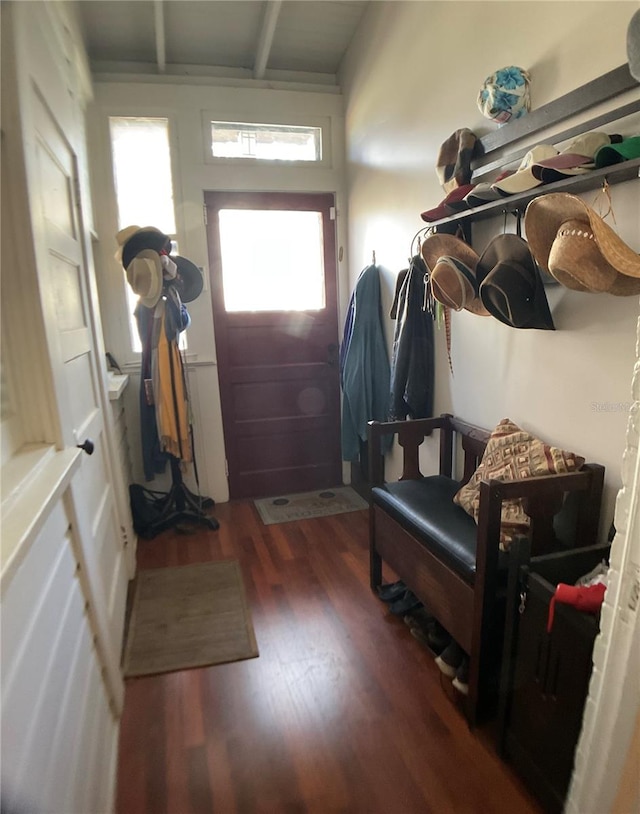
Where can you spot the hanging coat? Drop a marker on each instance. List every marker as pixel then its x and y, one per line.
pixel 364 364
pixel 412 361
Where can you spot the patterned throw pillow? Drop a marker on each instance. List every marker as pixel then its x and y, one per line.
pixel 513 454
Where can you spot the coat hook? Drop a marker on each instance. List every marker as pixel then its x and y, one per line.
pixel 373 257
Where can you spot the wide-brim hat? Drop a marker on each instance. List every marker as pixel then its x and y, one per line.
pixel 574 244
pixel 144 274
pixel 454 202
pixel 523 178
pixel 134 239
pixel 188 280
pixel 512 290
pixel 454 281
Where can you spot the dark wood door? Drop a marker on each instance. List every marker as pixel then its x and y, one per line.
pixel 272 258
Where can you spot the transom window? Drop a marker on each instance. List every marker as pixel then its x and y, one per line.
pixel 267 142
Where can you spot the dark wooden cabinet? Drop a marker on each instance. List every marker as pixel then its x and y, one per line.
pixel 545 679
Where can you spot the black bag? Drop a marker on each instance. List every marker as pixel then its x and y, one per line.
pixel 147 509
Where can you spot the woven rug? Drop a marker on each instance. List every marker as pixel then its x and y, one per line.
pixel 285 508
pixel 189 616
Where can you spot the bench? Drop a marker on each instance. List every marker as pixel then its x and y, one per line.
pixel 455 567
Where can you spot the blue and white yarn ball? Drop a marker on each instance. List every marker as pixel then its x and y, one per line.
pixel 505 95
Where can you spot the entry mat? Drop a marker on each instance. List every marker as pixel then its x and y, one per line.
pixel 285 508
pixel 188 616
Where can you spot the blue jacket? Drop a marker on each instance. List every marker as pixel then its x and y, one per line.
pixel 364 364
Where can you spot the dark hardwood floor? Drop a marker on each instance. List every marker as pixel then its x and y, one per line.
pixel 343 711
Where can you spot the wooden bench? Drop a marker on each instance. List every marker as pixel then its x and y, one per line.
pixel 452 565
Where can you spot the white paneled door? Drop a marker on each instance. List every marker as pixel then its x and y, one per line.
pixel 65 290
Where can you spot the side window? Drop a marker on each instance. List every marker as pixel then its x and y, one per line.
pixel 143 183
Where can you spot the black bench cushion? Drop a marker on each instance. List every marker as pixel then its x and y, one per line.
pixel 425 509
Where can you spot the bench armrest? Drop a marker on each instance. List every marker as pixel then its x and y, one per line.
pixel 411 433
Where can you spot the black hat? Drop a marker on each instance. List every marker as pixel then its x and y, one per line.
pixel 145 238
pixel 188 281
pixel 512 289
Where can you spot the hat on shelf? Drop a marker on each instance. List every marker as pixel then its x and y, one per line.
pixel 485 192
pixel 453 166
pixel 633 46
pixel 188 281
pixel 576 159
pixel 454 202
pixel 133 239
pixel 625 150
pixel 512 290
pixel 523 178
pixel 452 264
pixel 505 95
pixel 574 244
pixel 144 274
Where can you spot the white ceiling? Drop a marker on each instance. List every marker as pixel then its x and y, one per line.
pixel 257 39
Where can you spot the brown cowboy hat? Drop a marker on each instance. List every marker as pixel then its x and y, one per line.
pixel 452 264
pixel 512 290
pixel 574 244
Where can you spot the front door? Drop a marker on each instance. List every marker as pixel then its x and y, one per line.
pixel 273 281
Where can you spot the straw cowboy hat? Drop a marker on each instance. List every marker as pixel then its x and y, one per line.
pixel 512 290
pixel 574 244
pixel 144 274
pixel 453 263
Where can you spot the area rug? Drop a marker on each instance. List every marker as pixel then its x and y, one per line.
pixel 285 508
pixel 189 616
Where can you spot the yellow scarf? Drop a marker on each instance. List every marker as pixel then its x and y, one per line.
pixel 172 414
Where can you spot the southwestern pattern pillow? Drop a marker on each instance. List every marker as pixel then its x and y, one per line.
pixel 513 454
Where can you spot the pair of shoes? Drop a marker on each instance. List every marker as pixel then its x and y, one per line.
pixel 392 591
pixel 450 659
pixel 406 604
pixel 427 630
pixel 461 680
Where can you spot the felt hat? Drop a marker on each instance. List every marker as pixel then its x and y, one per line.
pixel 505 95
pixel 625 150
pixel 453 166
pixel 454 202
pixel 452 264
pixel 576 159
pixel 188 280
pixel 570 241
pixel 523 178
pixel 633 46
pixel 512 290
pixel 134 239
pixel 144 274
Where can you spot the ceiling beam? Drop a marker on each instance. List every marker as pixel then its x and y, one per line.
pixel 161 42
pixel 265 41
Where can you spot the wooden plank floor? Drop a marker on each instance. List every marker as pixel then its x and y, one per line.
pixel 343 711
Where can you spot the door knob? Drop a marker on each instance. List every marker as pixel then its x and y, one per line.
pixel 88 446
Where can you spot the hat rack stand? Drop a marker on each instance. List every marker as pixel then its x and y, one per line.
pixel 617 92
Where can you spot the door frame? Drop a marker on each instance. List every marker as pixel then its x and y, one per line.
pixel 324 202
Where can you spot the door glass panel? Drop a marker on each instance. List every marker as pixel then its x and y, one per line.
pixel 272 260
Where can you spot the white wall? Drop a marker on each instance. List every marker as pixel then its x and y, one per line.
pixel 410 79
pixel 188 108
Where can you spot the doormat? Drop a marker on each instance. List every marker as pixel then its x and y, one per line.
pixel 286 508
pixel 189 616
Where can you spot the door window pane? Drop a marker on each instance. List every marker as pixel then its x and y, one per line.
pixel 272 260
